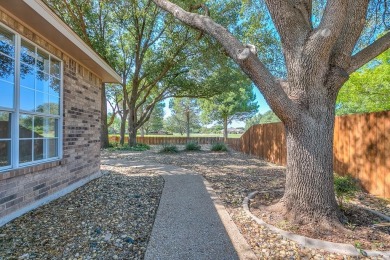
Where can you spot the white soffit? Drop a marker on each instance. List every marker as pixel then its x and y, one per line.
pixel 37 16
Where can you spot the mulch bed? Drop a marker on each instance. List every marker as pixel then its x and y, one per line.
pixel 108 218
pixel 361 230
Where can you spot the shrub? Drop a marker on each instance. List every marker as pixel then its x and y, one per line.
pixel 169 148
pixel 219 147
pixel 345 188
pixel 192 146
pixel 136 148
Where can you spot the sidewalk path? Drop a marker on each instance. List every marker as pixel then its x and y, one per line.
pixel 191 223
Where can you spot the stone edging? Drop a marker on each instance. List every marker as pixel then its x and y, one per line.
pixel 339 248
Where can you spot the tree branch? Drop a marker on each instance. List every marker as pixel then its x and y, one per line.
pixel 354 23
pixel 250 63
pixel 369 53
pixel 294 15
pixel 325 36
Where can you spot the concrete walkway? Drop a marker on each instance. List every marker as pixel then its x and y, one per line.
pixel 191 222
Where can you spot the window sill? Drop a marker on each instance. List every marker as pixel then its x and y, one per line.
pixel 12 173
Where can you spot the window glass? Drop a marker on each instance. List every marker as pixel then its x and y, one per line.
pixel 52 148
pixel 38 127
pixel 55 85
pixel 38 149
pixel 54 105
pixel 27 53
pixel 55 68
pixel 42 102
pixel 27 76
pixel 7 69
pixel 50 127
pixel 7 45
pixel 5 125
pixel 5 153
pixel 42 82
pixel 42 61
pixel 27 99
pixel 6 94
pixel 25 151
pixel 25 126
pixel 38 92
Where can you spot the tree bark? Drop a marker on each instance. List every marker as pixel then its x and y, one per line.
pixel 142 131
pixel 104 141
pixel 132 127
pixel 122 132
pixel 225 130
pixel 188 123
pixel 309 194
pixel 124 113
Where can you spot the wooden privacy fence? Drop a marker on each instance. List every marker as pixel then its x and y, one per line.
pixel 361 148
pixel 171 140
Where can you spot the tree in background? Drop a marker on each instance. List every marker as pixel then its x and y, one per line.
pixel 239 104
pixel 368 89
pixel 319 53
pixel 266 118
pixel 115 125
pixel 156 58
pixel 184 116
pixel 156 120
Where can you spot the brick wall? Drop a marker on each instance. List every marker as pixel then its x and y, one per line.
pixel 81 135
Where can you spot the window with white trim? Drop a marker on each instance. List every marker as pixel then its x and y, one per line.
pixel 30 103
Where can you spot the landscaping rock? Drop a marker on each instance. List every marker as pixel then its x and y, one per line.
pixel 89 222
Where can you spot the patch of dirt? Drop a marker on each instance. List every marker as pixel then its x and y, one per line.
pixel 364 229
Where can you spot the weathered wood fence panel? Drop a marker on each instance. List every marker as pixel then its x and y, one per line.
pixel 361 148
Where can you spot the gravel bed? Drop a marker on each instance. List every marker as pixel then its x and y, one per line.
pixel 233 176
pixel 108 218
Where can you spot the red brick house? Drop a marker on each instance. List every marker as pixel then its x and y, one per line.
pixel 50 88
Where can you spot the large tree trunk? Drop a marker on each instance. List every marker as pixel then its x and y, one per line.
pixel 225 129
pixel 132 121
pixel 104 142
pixel 309 194
pixel 188 123
pixel 122 132
pixel 124 114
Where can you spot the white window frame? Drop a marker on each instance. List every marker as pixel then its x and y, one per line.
pixel 16 111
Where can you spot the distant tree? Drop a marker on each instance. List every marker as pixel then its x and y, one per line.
pixel 233 105
pixel 185 115
pixel 368 89
pixel 266 118
pixel 114 125
pixel 155 122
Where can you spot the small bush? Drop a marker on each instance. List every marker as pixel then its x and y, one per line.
pixel 192 146
pixel 345 188
pixel 169 148
pixel 137 148
pixel 219 147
